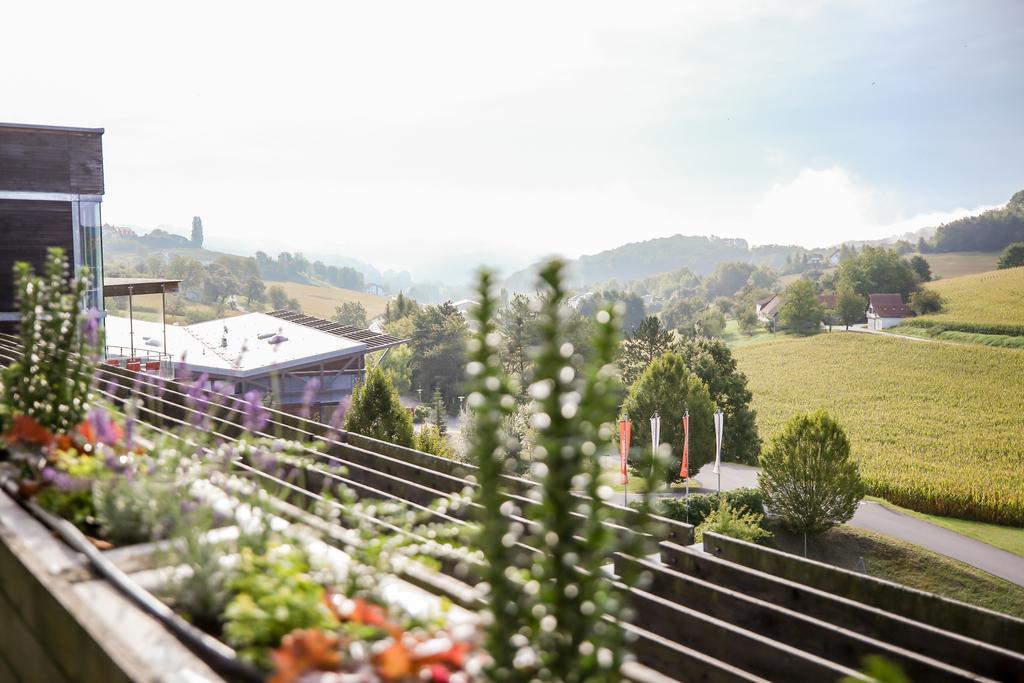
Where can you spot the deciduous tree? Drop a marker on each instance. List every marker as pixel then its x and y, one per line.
pixel 877 270
pixel 921 267
pixel 807 476
pixel 712 362
pixel 351 313
pixel 850 306
pixel 668 388
pixel 801 311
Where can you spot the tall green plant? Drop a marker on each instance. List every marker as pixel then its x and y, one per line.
pixel 556 625
pixel 491 398
pixel 377 411
pixel 50 383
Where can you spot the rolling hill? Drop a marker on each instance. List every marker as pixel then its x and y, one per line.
pixel 957 263
pixel 992 298
pixel 321 301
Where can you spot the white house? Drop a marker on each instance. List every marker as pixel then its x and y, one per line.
pixel 768 308
pixel 887 310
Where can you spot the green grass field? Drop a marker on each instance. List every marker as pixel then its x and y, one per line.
pixel 735 338
pixel 991 298
pixel 321 301
pixel 957 263
pixel 907 564
pixel 936 427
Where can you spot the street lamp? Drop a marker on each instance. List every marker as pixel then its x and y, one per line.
pixel 461 399
pixel 419 392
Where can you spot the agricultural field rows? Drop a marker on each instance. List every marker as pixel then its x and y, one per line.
pixel 994 298
pixel 937 428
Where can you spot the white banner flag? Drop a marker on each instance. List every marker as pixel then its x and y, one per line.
pixel 719 420
pixel 655 438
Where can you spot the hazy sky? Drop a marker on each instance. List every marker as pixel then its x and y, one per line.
pixel 418 135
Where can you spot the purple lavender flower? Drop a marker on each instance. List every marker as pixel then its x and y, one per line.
pixel 182 371
pixel 309 394
pixel 256 415
pixel 338 417
pixel 103 428
pixel 91 327
pixel 197 401
pixel 64 482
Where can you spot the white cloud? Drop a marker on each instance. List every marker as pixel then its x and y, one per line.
pixel 821 207
pixel 810 208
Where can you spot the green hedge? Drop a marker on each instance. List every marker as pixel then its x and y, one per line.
pixel 939 326
pixel 701 504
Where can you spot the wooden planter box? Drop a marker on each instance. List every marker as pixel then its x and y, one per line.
pixel 61 623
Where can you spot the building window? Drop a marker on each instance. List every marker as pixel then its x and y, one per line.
pixel 90 243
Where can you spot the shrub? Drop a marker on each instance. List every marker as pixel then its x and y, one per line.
pixel 431 440
pixel 736 522
pixel 926 301
pixel 1012 257
pixel 702 504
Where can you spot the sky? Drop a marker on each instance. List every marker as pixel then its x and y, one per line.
pixel 433 136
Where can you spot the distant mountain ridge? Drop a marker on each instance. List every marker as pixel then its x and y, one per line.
pixel 636 260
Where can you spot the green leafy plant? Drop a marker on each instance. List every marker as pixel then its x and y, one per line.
pixel 732 521
pixel 50 382
pixel 694 508
pixel 274 594
pixel 431 440
pixel 69 493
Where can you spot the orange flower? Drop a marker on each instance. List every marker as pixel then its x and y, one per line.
pixel 454 657
pixel 394 663
pixel 27 430
pixel 302 651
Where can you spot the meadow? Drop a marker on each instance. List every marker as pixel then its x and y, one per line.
pixel 957 263
pixel 321 301
pixel 937 428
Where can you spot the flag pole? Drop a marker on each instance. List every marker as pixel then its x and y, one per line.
pixel 685 463
pixel 719 425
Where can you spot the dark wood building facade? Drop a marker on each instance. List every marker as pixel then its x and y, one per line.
pixel 51 187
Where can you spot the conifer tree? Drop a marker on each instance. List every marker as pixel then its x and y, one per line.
pixel 377 412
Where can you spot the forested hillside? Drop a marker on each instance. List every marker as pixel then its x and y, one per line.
pixel 989 231
pixel 638 260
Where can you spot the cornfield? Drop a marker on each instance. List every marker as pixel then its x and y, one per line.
pixel 937 428
pixel 987 303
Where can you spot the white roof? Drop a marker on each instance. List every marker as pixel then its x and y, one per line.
pixel 234 347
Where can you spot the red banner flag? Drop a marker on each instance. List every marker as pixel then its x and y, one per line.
pixel 684 470
pixel 625 429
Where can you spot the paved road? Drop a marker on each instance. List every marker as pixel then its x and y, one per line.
pixel 881 519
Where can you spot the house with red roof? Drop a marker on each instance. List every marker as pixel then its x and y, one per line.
pixel 887 310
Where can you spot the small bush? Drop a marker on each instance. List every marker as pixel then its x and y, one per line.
pixel 734 521
pixel 703 504
pixel 431 440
